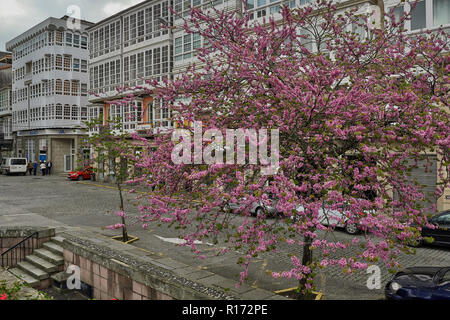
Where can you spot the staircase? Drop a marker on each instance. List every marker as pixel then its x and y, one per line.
pixel 38 268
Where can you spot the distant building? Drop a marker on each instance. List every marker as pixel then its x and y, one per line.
pixel 49 91
pixel 6 137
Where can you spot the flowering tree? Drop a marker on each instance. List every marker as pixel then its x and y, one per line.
pixel 113 148
pixel 357 106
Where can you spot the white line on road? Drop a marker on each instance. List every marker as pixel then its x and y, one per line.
pixel 180 241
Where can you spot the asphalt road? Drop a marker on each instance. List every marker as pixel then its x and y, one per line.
pixel 54 201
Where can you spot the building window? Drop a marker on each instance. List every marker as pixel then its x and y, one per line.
pixel 67 87
pixel 69 40
pixel 58 89
pixel 76 40
pixel 75 87
pixel 59 38
pixel 76 65
pixel 75 112
pixel 84 42
pixel 84 89
pixel 67 63
pixel 66 112
pixel 148 23
pixel 59 112
pixel 84 66
pixel 59 62
pixel 441 12
pixel 418 16
pixel 84 115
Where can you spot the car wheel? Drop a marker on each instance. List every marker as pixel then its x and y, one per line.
pixel 351 228
pixel 80 178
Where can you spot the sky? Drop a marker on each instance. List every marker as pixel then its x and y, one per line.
pixel 17 16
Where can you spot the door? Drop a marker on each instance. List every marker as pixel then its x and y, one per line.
pixel 68 164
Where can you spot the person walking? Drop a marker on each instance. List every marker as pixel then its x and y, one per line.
pixel 49 167
pixel 34 167
pixel 30 168
pixel 43 168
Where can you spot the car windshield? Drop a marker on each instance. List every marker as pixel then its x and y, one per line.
pixel 18 162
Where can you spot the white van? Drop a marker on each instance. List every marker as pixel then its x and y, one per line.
pixel 14 166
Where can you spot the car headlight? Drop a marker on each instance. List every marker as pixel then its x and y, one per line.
pixel 395 286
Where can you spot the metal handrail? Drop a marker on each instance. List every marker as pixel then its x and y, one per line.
pixel 18 252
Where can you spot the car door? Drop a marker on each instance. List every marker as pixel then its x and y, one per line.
pixel 441 233
pixel 442 291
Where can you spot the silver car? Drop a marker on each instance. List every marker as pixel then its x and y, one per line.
pixel 258 208
pixel 336 218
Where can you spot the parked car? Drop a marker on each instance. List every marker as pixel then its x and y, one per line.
pixel 329 217
pixel 257 208
pixel 441 234
pixel 424 283
pixel 81 175
pixel 14 166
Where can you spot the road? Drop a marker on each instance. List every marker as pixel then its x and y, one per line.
pixel 54 201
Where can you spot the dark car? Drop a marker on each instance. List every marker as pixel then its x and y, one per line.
pixel 424 283
pixel 441 234
pixel 81 175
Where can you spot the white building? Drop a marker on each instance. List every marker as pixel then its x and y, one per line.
pixel 49 91
pixel 126 49
pixel 6 138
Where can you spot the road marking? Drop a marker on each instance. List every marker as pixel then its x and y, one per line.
pixel 180 241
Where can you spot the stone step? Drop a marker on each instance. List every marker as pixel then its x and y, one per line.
pixel 53 247
pixel 41 263
pixel 32 270
pixel 58 240
pixel 27 278
pixel 45 254
pixel 60 280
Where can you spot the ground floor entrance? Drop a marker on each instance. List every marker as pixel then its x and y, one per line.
pixel 64 152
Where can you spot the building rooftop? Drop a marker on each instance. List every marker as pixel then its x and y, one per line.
pixel 50 23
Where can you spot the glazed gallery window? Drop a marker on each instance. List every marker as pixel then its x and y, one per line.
pixel 66 112
pixel 59 62
pixel 69 39
pixel 59 112
pixel 67 63
pixel 84 42
pixel 76 40
pixel 75 87
pixel 418 16
pixel 84 89
pixel 441 12
pixel 58 86
pixel 67 87
pixel 75 112
pixel 84 66
pixel 76 64
pixel 186 46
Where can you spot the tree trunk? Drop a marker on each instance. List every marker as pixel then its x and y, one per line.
pixel 306 261
pixel 124 228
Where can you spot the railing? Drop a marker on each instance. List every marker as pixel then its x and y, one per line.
pixel 14 255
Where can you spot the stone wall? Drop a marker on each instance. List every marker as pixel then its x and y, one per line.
pixel 119 271
pixel 10 236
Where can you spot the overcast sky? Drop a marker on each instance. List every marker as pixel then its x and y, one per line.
pixel 17 16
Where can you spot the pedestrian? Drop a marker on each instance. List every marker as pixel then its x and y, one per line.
pixel 49 167
pixel 30 168
pixel 43 168
pixel 34 167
